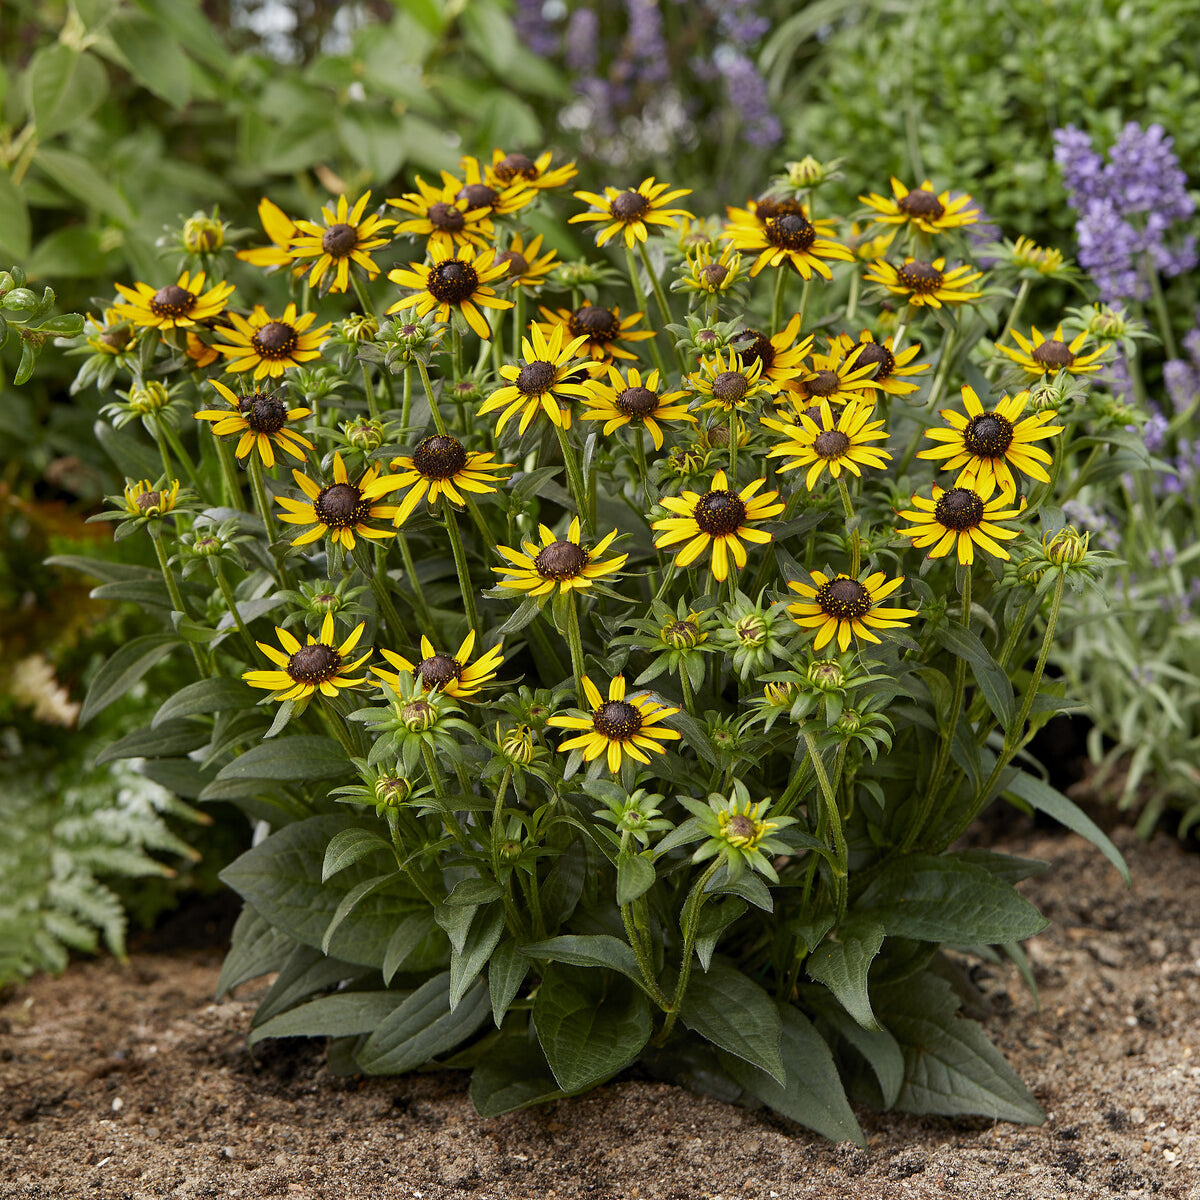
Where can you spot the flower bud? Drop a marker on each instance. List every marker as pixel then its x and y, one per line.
pixel 850 721
pixel 1067 547
pixel 518 744
pixel 418 716
pixel 826 675
pixel 1108 324
pixel 392 791
pixel 780 695
pixel 751 631
pixel 806 173
pixel 203 235
pixel 360 327
pixel 364 434
pixel 682 635
pixel 207 546
pixel 149 397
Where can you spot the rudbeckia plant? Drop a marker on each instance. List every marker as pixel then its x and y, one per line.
pixel 616 680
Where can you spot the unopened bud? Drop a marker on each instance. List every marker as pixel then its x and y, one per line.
pixel 1067 547
pixel 203 235
pixel 826 675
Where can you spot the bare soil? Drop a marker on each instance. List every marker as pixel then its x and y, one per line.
pixel 125 1083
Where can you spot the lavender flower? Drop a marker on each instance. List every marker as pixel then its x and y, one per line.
pixel 533 29
pixel 747 92
pixel 581 40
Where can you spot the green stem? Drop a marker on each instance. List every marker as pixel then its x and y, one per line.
pixel 575 479
pixel 664 309
pixel 777 299
pixel 231 603
pixel 1015 311
pixel 378 582
pixel 181 454
pixel 173 588
pixel 855 539
pixel 639 294
pixel 460 565
pixel 439 424
pixel 685 686
pixel 263 503
pixel 644 961
pixel 688 921
pixel 364 297
pixel 410 572
pixel 406 401
pixel 518 322
pixel 369 391
pixel 439 788
pixel 834 815
pixel 336 724
pixel 1160 311
pixel 575 641
pixel 233 485
pixel 852 299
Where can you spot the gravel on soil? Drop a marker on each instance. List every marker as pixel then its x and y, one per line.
pixel 127 1083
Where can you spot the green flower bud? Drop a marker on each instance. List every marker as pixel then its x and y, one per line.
pixel 203 235
pixel 392 791
pixel 364 434
pixel 359 327
pixel 682 635
pixel 149 397
pixel 1067 547
pixel 826 675
pixel 418 716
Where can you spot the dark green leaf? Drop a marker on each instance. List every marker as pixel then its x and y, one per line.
pixel 410 933
pixel 993 680
pixel 733 1012
pixel 173 737
pixel 506 972
pixel 101 568
pixel 153 56
pixel 842 961
pixel 514 1075
pixel 587 950
pixel 481 941
pixel 340 1015
pixel 474 892
pixel 351 900
pixel 123 670
pixel 146 593
pixel 77 177
pixel 65 85
pixel 879 1048
pixel 205 696
pixel 256 948
pixel 14 221
pixel 306 973
pixel 350 845
pixel 305 756
pixel 714 920
pixel 635 877
pixel 456 922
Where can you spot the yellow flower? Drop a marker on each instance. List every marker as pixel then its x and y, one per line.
pixel 505 168
pixel 603 329
pixel 622 401
pixel 922 207
pixel 831 447
pixel 728 383
pixel 341 509
pixel 443 466
pixel 305 670
pixel 1040 355
pixel 889 367
pixel 922 283
pixel 452 280
pixel 983 443
pixel 441 216
pixel 706 275
pixel 525 269
pixel 175 306
pixel 144 499
pixel 546 381
pixel 781 356
pixel 633 211
pixel 261 418
pixel 831 379
pixel 841 606
pixel 1027 253
pixel 448 673
pixel 479 193
pixel 200 352
pixel 868 248
pixel 345 238
pixel 617 726
pixel 786 236
pixel 558 563
pixel 270 345
pixel 720 517
pixel 961 517
pixel 280 228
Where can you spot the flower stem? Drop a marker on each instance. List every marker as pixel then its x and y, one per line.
pixel 777 299
pixel 439 787
pixel 406 401
pixel 439 424
pixel 414 582
pixel 855 539
pixel 688 922
pixel 376 576
pixel 645 963
pixel 263 504
pixel 575 479
pixel 518 322
pixel 185 459
pixel 173 588
pixel 575 641
pixel 231 603
pixel 639 294
pixel 664 309
pixel 233 485
pixel 460 565
pixel 834 816
pixel 1160 311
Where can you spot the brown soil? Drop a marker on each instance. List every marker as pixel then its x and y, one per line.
pixel 130 1083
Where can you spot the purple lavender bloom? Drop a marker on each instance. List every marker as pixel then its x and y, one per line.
pixel 582 40
pixel 646 45
pixel 1182 382
pixel 747 92
pixel 533 29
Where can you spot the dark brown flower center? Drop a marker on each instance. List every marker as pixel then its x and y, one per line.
pixel 719 513
pixel 988 435
pixel 595 321
pixel 275 340
pixel 440 457
pixel 616 720
pixel 478 195
pixel 314 664
pixel 959 509
pixel 518 264
pixel 766 208
pixel 264 412
pixel 453 281
pixel 844 599
pixel 341 505
pixel 740 827
pixel 714 274
pixel 824 383
pixel 730 387
pixel 831 443
pixel 920 277
pixel 172 301
pixel 560 560
pixel 512 165
pixel 636 402
pixel 148 500
pixel 759 350
pixel 866 353
pixel 920 203
pixel 536 378
pixel 629 205
pixel 791 231
pixel 339 240
pixel 117 338
pixel 447 218
pixel 1053 353
pixel 438 670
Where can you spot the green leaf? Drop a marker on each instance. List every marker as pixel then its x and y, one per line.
pixel 205 696
pixel 351 900
pixel 306 973
pixel 153 56
pixel 305 756
pixel 635 877
pixel 506 972
pixel 171 738
pixel 347 847
pixel 879 1048
pixel 477 949
pixel 372 143
pixel 950 1066
pixel 409 934
pixel 256 948
pixel 714 920
pixel 474 891
pixel 77 177
pixel 993 680
pixel 937 898
pixel 813 1094
pixel 513 1075
pixel 14 220
pixel 340 1015
pixel 842 961
pixel 423 1027
pixel 455 923
pixel 733 1012
pixel 587 950
pixel 130 662
pixel 589 1026
pixel 65 86
pixel 101 568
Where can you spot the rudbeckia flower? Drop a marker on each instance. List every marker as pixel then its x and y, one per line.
pixel 1040 355
pixel 460 280
pixel 341 508
pixel 961 518
pixel 175 306
pixel 344 239
pixel 842 607
pixel 455 674
pixel 923 283
pixel 261 418
pixel 443 466
pixel 633 212
pixel 305 670
pixel 268 345
pixel 922 207
pixel 558 564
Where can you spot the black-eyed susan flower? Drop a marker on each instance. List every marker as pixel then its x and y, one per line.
pixel 721 518
pixel 455 279
pixel 961 518
pixel 537 172
pixel 986 441
pixel 280 228
pixel 783 233
pixel 304 670
pixel 889 366
pixel 547 381
pixel 839 606
pixel 782 356
pixel 1027 255
pixel 728 381
pixel 736 831
pixel 453 674
pixel 346 239
pixel 626 399
pixel 1039 355
pixel 443 466
pixel 262 419
pixel 602 328
pixel 923 208
pixel 526 269
pixel 835 446
pixel 634 213
pixel 270 345
pixel 175 306
pixel 340 509
pixel 829 379
pixel 617 726
pixel 704 274
pixel 146 499
pixel 479 192
pixel 558 564
pixel 923 283
pixel 199 352
pixel 439 215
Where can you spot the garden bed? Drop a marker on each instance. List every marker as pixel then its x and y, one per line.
pixel 129 1083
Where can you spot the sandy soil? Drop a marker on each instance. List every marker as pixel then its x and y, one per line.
pixel 130 1083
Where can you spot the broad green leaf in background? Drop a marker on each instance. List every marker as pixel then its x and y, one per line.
pixel 841 962
pixel 130 662
pixel 65 87
pixel 14 221
pixel 733 1012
